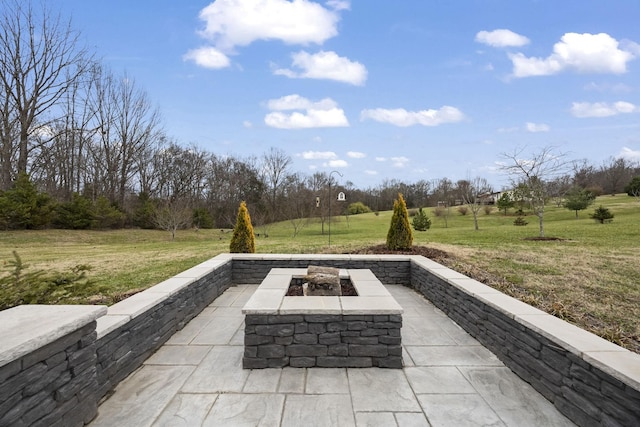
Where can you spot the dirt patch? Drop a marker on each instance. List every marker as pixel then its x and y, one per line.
pixel 544 239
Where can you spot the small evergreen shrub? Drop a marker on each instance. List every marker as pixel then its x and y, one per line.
pixel 421 221
pixel 399 235
pixel 602 215
pixel 243 240
pixel 519 221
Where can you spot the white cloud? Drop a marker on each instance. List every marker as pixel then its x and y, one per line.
pixel 297 102
pixel 501 38
pixel 602 109
pixel 336 164
pixel 402 117
pixel 399 162
pixel 381 159
pixel 247 124
pixel 233 23
pixel 207 57
pixel 583 53
pixel 325 65
pixel 537 127
pixel 629 154
pixel 319 155
pixel 324 113
pixel 356 155
pixel 339 4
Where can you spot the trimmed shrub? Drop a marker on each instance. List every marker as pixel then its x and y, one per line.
pixel 243 240
pixel 399 235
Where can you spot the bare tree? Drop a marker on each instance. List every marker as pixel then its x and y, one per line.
pixel 532 173
pixel 275 164
pixel 129 125
pixel 40 60
pixel 173 215
pixel 617 172
pixel 473 192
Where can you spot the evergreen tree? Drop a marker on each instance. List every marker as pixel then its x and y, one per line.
pixel 578 199
pixel 421 221
pixel 243 239
pixel 399 235
pixel 76 214
pixel 602 215
pixel 633 187
pixel 505 202
pixel 23 207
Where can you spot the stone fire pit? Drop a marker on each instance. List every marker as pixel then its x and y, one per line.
pixel 324 331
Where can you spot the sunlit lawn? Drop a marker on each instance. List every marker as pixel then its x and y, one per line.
pixel 590 277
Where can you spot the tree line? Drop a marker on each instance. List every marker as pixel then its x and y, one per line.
pixel 82 146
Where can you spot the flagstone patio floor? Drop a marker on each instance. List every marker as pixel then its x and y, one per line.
pixel 448 379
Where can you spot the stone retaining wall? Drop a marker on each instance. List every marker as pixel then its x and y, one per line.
pixel 252 269
pixel 48 367
pixel 135 328
pixel 323 340
pixel 590 380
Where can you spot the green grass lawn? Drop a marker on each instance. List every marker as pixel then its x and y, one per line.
pixel 589 276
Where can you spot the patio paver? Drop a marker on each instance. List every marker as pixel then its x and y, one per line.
pixel 449 379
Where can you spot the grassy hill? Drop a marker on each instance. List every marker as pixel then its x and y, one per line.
pixel 589 275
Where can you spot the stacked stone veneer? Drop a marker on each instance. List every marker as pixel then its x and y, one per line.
pixel 323 340
pixel 46 366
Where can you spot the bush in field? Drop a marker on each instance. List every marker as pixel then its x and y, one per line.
pixel 633 187
pixel 578 199
pixel 488 209
pixel 358 208
pixel 76 214
pixel 243 239
pixel 519 221
pixel 602 215
pixel 19 286
pixel 463 210
pixel 106 215
pixel 23 207
pixel 421 221
pixel 202 218
pixel 505 202
pixel 145 212
pixel 399 235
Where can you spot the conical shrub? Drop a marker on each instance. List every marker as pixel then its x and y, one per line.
pixel 243 240
pixel 399 235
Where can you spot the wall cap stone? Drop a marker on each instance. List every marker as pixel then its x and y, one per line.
pixel 26 328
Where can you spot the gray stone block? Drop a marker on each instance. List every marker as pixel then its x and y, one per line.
pixel 377 350
pixel 385 339
pixel 283 340
pixel 305 339
pixel 349 362
pixel 337 326
pixel 254 363
pixel 338 350
pixel 361 340
pixel 297 350
pixel 317 328
pixel 271 351
pixel 329 338
pixel 394 362
pixel 302 362
pixel 280 330
pixel 252 339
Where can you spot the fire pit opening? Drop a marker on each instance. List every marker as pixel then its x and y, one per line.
pixel 296 287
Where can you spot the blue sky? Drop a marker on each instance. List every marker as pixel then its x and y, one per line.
pixel 409 90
